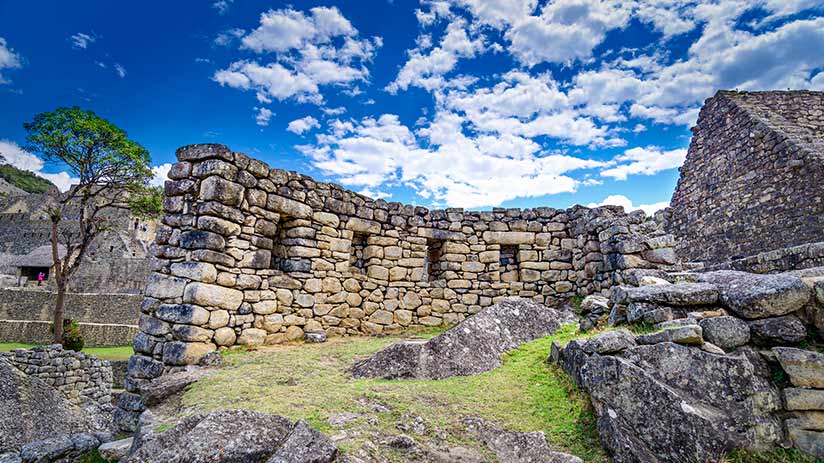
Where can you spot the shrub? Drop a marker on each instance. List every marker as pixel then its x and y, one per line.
pixel 72 339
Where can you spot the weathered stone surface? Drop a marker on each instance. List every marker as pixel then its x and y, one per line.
pixel 305 445
pixel 688 334
pixel 168 385
pixel 610 342
pixel 811 442
pixel 753 296
pixel 803 399
pixel 692 405
pixel 515 447
pixel 213 296
pixel 804 367
pixel 473 346
pixel 725 332
pixel 233 436
pixel 59 449
pixel 115 450
pixel 398 361
pixel 777 331
pixel 186 353
pixel 680 294
pixel 509 238
pixel 31 410
pixel 183 313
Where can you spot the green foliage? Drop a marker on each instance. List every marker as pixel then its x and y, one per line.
pixel 25 180
pixel 93 457
pixel 575 302
pixel 149 204
pixel 72 338
pixel 96 151
pixel 776 456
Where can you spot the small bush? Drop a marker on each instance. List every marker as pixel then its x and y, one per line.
pixel 72 339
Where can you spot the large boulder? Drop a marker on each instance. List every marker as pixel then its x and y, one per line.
pixel 725 332
pixel 777 331
pixel 689 405
pixel 470 347
pixel 679 295
pixel 231 436
pixel 753 296
pixel 804 367
pixel 31 410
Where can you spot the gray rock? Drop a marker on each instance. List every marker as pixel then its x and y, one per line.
pixel 803 399
pixel 168 385
pixel 680 294
pixel 648 313
pixel 315 337
pixel 305 445
pixel 31 410
pixel 115 450
pixel 473 346
pixel 212 359
pixel 610 342
pixel 233 436
pixel 402 442
pixel 515 447
pixel 725 332
pixel 689 334
pixel 754 296
pixel 58 449
pixel 690 404
pixel 777 331
pixel 11 457
pixel 805 367
pixel 675 323
pixel 811 442
pixel 712 348
pixel 144 367
pixel 593 301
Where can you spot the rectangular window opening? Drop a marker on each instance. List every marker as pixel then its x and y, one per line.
pixel 509 257
pixel 432 262
pixel 358 260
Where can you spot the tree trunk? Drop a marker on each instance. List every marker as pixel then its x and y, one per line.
pixel 61 283
pixel 58 313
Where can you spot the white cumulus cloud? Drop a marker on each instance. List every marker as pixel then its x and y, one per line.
pixel 16 156
pixel 626 203
pixel 644 161
pixel 8 59
pixel 299 126
pixel 81 40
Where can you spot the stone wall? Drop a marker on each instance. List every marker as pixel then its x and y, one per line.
pixel 800 257
pixel 35 304
pixel 252 255
pixel 81 378
pixel 751 182
pixel 40 332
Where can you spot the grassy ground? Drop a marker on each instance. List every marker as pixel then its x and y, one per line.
pixel 106 353
pixel 309 381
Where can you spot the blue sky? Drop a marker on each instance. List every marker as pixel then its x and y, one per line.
pixel 465 103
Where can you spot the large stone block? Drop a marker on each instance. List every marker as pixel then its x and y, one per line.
pixel 162 286
pixel 212 296
pixel 183 313
pixel 215 188
pixel 198 271
pixel 288 207
pixel 508 238
pixel 185 353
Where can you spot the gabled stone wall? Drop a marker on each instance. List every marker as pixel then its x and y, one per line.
pixel 252 255
pixel 752 180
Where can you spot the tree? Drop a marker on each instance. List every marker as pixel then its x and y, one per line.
pixel 112 171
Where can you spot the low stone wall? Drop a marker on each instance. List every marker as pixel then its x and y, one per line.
pixel 39 332
pixel 81 378
pixel 251 255
pixel 38 304
pixel 800 257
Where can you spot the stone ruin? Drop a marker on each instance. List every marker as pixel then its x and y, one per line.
pixel 750 190
pixel 251 255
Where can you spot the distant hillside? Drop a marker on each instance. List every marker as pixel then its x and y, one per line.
pixel 24 180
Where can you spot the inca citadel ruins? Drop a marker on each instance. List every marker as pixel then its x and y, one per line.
pixel 697 331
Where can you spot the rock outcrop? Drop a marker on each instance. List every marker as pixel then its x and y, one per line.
pixel 471 347
pixel 31 411
pixel 231 436
pixel 672 403
pixel 515 447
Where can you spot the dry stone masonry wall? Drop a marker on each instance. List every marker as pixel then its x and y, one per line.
pixel 82 378
pixel 251 255
pixel 751 182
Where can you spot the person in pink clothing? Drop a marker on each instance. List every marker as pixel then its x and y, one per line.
pixel 40 277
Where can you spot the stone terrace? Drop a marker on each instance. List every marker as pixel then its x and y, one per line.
pixel 252 255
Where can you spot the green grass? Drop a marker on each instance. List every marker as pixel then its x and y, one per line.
pixel 776 456
pixel 25 180
pixel 106 353
pixel 309 381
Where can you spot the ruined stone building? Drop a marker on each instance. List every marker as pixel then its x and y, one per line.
pixel 251 255
pixel 106 290
pixel 751 189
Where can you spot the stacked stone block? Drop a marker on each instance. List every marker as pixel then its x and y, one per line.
pixel 82 378
pixel 251 255
pixel 751 182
